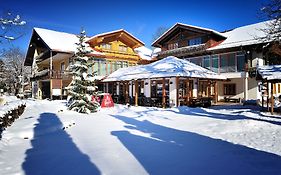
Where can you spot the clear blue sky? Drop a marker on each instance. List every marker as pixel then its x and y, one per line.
pixel 141 17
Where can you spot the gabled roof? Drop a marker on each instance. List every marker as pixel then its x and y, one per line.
pixel 168 67
pixel 60 41
pixel 185 26
pixel 53 41
pixel 245 35
pixel 57 41
pixel 117 32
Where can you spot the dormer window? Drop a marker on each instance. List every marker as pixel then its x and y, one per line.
pixel 195 41
pixel 173 46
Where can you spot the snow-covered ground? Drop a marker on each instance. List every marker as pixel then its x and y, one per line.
pixel 141 140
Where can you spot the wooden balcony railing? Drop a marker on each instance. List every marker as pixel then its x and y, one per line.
pixel 188 50
pixel 55 74
pixel 51 74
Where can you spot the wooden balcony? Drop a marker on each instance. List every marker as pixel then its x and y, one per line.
pixel 183 51
pixel 51 74
pixel 59 75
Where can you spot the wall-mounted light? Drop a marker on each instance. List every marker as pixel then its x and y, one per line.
pixel 146 83
pixel 171 82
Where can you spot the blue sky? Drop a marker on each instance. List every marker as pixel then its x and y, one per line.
pixel 141 18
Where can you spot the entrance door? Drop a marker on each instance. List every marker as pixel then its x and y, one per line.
pixel 46 93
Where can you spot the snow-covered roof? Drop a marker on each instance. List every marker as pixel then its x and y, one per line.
pixel 144 52
pixel 60 41
pixel 272 72
pixel 186 25
pixel 242 36
pixel 168 67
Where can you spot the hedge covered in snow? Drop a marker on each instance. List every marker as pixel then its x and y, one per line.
pixel 10 112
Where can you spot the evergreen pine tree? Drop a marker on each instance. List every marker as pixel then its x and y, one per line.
pixel 82 85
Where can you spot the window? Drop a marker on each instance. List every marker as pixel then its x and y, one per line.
pixel 173 46
pixel 196 60
pixel 206 62
pixel 62 67
pixel 125 64
pixel 119 65
pixel 229 89
pixel 123 48
pixel 215 63
pixel 231 63
pixel 114 66
pixel 106 46
pixel 102 68
pixel 195 41
pixel 223 63
pixel 96 68
pixel 240 61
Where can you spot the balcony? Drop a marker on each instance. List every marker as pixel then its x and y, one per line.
pixel 50 74
pixel 183 51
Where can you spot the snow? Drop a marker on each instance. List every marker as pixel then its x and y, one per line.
pixel 61 41
pixel 245 35
pixel 48 139
pixel 144 52
pixel 12 102
pixel 168 67
pixel 271 72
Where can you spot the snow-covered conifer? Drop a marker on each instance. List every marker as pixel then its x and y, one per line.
pixel 82 85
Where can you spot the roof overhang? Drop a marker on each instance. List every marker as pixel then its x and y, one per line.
pixel 181 26
pixel 121 35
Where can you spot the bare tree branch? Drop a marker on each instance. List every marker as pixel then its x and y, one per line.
pixel 14 70
pixel 9 27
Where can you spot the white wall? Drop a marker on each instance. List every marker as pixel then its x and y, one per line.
pixel 253 90
pixel 147 88
pixel 240 84
pixel 239 88
pixel 173 92
pixel 195 87
pixel 130 88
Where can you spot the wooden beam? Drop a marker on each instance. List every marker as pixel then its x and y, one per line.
pixel 262 95
pixel 112 88
pixel 267 98
pixel 216 91
pixel 136 92
pixel 177 91
pixel 187 91
pixel 272 99
pixel 209 88
pixel 163 93
pixel 126 92
pixel 61 89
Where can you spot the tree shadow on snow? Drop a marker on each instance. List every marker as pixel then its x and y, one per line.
pixel 54 152
pixel 171 151
pixel 235 113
